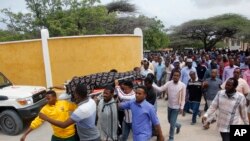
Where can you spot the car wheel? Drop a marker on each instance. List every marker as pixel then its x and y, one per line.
pixel 10 122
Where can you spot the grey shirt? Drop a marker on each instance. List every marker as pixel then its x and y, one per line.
pixel 213 88
pixel 84 117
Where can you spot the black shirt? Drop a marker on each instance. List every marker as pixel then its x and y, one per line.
pixel 151 95
pixel 201 71
pixel 194 90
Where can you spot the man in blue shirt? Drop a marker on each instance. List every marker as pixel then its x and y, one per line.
pixel 143 116
pixel 186 70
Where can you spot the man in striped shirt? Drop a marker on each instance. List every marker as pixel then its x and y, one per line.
pixel 126 94
pixel 231 106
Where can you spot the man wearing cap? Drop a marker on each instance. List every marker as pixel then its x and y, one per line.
pixel 185 77
pixel 186 70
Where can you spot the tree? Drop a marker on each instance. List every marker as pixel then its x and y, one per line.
pixel 10 36
pixel 121 6
pixel 82 17
pixel 212 30
pixel 153 29
pixel 155 37
pixel 60 17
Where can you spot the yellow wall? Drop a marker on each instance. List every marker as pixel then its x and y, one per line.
pixel 85 55
pixel 22 62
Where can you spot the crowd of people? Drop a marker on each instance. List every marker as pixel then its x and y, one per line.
pixel 219 78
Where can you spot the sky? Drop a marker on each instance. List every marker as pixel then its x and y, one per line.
pixel 171 12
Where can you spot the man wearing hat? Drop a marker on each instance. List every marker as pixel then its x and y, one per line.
pixel 186 70
pixel 185 77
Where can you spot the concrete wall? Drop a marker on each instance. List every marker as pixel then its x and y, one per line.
pixel 22 62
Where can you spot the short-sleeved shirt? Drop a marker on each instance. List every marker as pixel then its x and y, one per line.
pixel 185 74
pixel 84 117
pixel 195 90
pixel 201 72
pixel 143 116
pixel 213 88
pixel 151 95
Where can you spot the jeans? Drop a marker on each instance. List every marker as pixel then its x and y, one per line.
pixel 126 127
pixel 225 136
pixel 195 107
pixel 155 105
pixel 187 107
pixel 172 118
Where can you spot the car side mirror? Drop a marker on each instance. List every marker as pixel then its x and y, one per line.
pixel 3 97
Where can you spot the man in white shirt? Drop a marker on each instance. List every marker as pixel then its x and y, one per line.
pixel 228 70
pixel 126 94
pixel 145 70
pixel 231 106
pixel 242 84
pixel 176 99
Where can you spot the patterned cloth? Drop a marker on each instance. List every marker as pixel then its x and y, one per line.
pixel 99 80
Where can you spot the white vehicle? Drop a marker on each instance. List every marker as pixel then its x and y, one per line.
pixel 18 104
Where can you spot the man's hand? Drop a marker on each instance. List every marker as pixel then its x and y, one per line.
pixel 160 138
pixel 116 83
pixel 205 85
pixel 43 116
pixel 23 138
pixel 203 119
pixel 181 111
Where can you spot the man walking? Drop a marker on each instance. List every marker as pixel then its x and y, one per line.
pixel 84 116
pixel 107 116
pixel 186 70
pixel 194 88
pixel 231 106
pixel 59 110
pixel 246 74
pixel 242 84
pixel 144 116
pixel 185 77
pixel 176 99
pixel 211 88
pixel 126 94
pixel 228 70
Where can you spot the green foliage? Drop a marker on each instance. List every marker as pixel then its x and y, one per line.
pixel 213 30
pixel 120 6
pixel 10 36
pixel 153 30
pixel 80 17
pixel 155 36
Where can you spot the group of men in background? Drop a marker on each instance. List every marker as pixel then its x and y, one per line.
pixel 221 78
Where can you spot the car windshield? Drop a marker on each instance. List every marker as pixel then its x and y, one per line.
pixel 4 82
